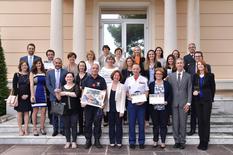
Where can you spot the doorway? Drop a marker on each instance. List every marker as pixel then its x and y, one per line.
pixel 125 29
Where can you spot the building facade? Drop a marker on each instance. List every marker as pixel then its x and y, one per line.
pixel 83 25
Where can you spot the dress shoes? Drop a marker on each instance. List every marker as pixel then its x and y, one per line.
pixel 97 144
pixel 176 145
pixel 62 133
pixel 182 146
pixel 141 146
pixel 191 133
pixel 55 133
pixel 88 144
pixel 132 146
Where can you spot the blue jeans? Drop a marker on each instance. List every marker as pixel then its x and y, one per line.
pixel 136 112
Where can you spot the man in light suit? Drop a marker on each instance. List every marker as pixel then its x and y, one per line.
pixel 55 80
pixel 192 69
pixel 30 58
pixel 182 91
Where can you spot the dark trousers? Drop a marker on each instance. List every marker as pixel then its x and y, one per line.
pixel 50 116
pixel 93 115
pixel 125 113
pixel 80 120
pixel 203 109
pixel 70 123
pixel 115 128
pixel 147 113
pixel 136 112
pixel 58 122
pixel 159 119
pixel 193 120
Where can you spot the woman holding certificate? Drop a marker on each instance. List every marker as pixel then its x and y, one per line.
pixel 115 107
pixel 160 95
pixel 203 92
pixel 137 91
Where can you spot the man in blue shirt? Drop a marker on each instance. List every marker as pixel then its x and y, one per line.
pixel 93 114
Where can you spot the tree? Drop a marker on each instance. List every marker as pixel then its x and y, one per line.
pixel 3 81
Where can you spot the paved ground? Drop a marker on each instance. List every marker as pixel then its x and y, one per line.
pixel 58 149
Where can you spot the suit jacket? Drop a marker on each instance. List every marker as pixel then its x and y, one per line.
pixel 188 60
pixel 51 82
pixel 182 93
pixel 192 69
pixel 208 87
pixel 25 58
pixel 167 91
pixel 119 98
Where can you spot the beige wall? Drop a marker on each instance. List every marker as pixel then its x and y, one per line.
pixel 25 21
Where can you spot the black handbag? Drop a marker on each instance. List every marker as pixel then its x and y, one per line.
pixel 57 108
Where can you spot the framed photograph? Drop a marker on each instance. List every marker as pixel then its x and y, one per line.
pixel 156 99
pixel 93 97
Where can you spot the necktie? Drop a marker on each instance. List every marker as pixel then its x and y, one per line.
pixel 30 62
pixel 179 78
pixel 57 79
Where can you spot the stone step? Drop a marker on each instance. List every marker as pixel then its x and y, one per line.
pixel 13 138
pixel 215 128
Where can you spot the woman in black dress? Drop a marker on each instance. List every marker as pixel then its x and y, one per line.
pixel 81 76
pixel 70 95
pixel 21 87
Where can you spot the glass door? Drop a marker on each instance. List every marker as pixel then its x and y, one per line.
pixel 125 33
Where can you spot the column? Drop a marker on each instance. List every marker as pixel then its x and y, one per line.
pixel 79 37
pixel 193 23
pixel 170 32
pixel 56 27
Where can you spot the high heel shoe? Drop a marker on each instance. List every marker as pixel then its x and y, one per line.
pixel 67 145
pixel 35 132
pixel 42 131
pixel 26 132
pixel 74 145
pixel 21 133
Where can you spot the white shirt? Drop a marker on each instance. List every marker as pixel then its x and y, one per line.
pixel 106 74
pixel 90 65
pixel 133 86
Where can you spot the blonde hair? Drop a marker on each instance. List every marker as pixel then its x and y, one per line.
pixel 91 53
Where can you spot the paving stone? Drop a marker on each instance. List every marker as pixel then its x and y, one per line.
pixel 26 150
pixel 97 150
pixel 116 150
pixel 218 150
pixel 59 149
pixel 230 147
pixel 168 153
pixel 3 148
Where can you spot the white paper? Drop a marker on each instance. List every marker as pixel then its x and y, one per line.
pixel 156 99
pixel 49 65
pixel 137 98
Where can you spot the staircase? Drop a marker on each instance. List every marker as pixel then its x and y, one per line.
pixel 221 129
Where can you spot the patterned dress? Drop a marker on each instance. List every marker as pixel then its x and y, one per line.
pixel 40 90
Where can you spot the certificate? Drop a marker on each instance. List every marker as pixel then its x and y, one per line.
pixel 137 98
pixel 48 65
pixel 156 99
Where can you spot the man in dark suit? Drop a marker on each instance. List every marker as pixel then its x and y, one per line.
pixel 189 58
pixel 55 80
pixel 30 58
pixel 192 69
pixel 182 91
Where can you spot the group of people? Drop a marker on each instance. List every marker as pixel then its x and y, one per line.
pixel 137 89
